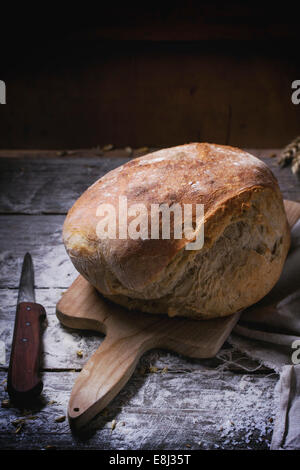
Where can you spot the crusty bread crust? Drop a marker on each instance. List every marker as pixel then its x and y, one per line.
pixel 240 195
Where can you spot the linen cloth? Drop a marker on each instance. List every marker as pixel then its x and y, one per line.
pixel 270 333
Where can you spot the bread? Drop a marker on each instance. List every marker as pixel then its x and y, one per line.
pixel 246 235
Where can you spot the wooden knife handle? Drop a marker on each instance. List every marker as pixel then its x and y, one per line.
pixel 23 382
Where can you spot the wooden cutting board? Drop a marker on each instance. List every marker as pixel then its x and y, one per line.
pixel 128 336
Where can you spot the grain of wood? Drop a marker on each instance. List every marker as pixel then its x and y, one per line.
pixel 48 185
pixel 154 407
pixel 41 236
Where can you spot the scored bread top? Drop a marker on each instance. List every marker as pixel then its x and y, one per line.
pixel 220 177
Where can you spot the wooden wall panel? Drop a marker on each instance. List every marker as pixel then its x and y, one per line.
pixel 81 88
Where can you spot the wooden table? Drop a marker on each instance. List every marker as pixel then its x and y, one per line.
pixel 171 402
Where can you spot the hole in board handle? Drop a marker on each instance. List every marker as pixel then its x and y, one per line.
pixel 76 409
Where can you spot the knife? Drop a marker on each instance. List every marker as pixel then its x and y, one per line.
pixel 23 381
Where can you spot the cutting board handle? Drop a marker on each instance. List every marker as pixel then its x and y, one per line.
pixel 104 375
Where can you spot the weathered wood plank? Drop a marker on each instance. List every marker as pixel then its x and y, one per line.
pixel 51 185
pixel 41 236
pixel 32 186
pixel 61 344
pixel 207 410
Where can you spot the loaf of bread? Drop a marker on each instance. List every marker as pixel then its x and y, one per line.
pixel 246 235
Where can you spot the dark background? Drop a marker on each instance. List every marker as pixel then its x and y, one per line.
pixel 150 75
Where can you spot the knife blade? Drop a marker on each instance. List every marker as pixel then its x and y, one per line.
pixel 23 381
